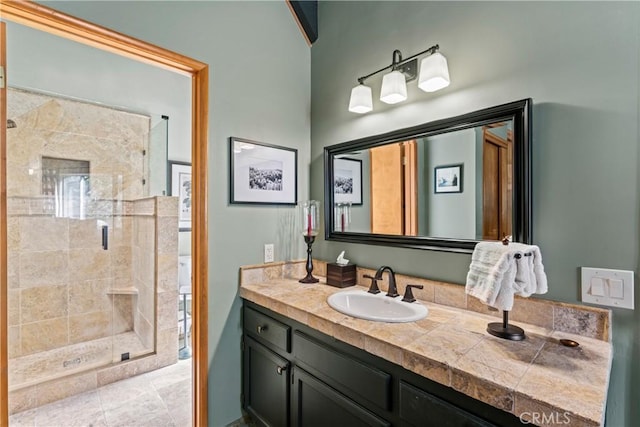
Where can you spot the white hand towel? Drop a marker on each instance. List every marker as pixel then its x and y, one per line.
pixel 498 272
pixel 530 278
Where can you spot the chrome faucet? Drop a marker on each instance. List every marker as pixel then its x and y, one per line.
pixel 393 290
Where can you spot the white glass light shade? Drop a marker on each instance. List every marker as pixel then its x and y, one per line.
pixel 394 88
pixel 434 73
pixel 360 101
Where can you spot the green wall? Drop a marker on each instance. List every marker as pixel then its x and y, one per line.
pixel 43 62
pixel 259 89
pixel 449 213
pixel 580 64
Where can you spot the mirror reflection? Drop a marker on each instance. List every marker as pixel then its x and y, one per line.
pixel 445 184
pixel 454 185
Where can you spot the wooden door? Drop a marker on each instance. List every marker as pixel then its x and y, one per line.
pixel 497 185
pixel 387 216
pixel 394 189
pixel 410 167
pixel 4 352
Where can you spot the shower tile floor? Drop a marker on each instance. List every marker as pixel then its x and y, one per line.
pixel 128 342
pixel 160 398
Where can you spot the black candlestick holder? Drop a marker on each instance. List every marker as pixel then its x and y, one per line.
pixel 309 239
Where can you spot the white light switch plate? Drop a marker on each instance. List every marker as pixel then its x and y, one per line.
pixel 602 286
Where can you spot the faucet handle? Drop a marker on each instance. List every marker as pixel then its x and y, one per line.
pixel 408 293
pixel 373 289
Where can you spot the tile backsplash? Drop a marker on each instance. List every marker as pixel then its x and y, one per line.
pixel 576 319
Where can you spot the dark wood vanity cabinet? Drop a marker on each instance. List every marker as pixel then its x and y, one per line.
pixel 296 376
pixel 266 384
pixel 417 407
pixel 315 404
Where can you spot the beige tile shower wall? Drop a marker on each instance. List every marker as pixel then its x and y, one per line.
pixel 64 289
pixel 155 260
pixel 112 141
pixel 143 250
pixel 154 266
pixel 60 278
pixel 38 303
pixel 166 261
pixel 59 282
pixel 165 226
pixel 59 275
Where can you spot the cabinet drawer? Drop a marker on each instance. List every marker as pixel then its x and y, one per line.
pixel 315 404
pixel 266 329
pixel 355 377
pixel 422 409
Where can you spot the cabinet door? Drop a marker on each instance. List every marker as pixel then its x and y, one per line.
pixel 266 385
pixel 421 409
pixel 315 404
pixel 345 373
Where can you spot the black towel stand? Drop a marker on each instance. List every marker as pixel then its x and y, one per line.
pixel 504 329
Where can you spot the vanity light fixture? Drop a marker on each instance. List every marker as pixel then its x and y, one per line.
pixel 394 88
pixel 434 75
pixel 360 101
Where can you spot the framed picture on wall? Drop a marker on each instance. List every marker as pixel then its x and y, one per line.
pixel 347 181
pixel 262 173
pixel 448 179
pixel 179 184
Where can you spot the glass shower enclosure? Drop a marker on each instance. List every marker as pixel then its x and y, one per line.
pixel 83 245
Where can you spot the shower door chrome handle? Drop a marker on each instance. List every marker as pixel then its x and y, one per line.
pixel 105 237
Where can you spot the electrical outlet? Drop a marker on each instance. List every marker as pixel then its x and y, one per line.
pixel 268 252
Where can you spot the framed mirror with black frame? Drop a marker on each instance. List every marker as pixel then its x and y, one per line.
pixel 442 185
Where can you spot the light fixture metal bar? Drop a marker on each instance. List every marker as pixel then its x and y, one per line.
pixel 432 49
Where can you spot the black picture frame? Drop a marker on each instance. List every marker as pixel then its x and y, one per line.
pixel 347 181
pixel 179 184
pixel 262 174
pixel 448 179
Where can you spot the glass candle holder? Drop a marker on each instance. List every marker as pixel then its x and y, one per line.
pixel 342 216
pixel 310 212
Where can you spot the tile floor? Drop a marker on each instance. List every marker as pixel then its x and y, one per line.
pixel 160 398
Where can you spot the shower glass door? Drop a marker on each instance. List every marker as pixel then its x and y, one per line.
pixel 156 157
pixel 81 247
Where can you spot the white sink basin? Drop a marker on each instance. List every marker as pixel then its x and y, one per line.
pixel 378 307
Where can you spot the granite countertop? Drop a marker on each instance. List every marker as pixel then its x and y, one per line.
pixel 536 379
